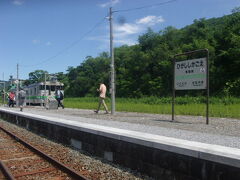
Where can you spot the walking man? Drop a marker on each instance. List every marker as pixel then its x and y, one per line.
pixel 59 97
pixel 102 95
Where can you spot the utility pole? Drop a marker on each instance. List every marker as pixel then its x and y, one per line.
pixel 3 90
pixel 112 65
pixel 45 90
pixel 17 85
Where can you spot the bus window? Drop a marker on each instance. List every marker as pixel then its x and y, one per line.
pixel 53 88
pixel 42 87
pixel 59 87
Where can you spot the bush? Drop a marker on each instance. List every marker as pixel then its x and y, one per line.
pixel 232 88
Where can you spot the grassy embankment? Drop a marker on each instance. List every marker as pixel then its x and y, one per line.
pixel 218 107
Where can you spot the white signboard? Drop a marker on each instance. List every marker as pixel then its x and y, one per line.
pixel 191 74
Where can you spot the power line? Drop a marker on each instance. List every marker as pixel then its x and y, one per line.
pixel 147 6
pixel 94 27
pixel 68 47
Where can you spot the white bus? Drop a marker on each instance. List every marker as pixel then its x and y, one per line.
pixel 37 93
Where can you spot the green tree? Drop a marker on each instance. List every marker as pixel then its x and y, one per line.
pixel 145 69
pixel 35 76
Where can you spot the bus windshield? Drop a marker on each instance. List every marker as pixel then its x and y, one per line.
pixel 51 87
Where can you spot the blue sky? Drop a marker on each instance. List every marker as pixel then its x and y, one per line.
pixel 52 35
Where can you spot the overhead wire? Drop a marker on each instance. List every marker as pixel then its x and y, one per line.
pixel 147 6
pixel 94 27
pixel 68 47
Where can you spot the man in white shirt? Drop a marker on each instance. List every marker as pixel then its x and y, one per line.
pixel 59 97
pixel 102 95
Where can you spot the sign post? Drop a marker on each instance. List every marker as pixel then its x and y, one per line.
pixel 191 75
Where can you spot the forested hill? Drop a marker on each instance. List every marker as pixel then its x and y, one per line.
pixel 145 69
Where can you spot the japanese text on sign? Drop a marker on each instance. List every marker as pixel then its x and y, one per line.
pixel 191 74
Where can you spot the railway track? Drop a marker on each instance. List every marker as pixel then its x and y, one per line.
pixel 20 160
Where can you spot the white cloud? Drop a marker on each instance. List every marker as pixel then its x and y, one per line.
pixel 125 41
pixel 18 2
pixel 127 33
pixel 123 34
pixel 48 43
pixel 150 20
pixel 35 41
pixel 110 3
pixel 127 29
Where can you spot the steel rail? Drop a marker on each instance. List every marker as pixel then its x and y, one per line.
pixel 6 171
pixel 61 166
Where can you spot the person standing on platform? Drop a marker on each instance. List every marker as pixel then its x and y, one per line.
pixel 59 97
pixel 102 95
pixel 21 98
pixel 11 99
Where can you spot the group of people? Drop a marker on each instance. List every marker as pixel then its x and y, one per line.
pixel 22 95
pixel 12 99
pixel 59 97
pixel 102 95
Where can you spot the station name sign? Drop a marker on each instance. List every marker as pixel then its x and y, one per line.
pixel 191 74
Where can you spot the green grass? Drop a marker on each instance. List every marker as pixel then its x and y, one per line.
pixel 218 107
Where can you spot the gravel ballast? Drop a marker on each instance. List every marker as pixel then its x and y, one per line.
pixel 96 168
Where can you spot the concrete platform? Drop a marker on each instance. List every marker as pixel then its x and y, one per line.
pixel 159 156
